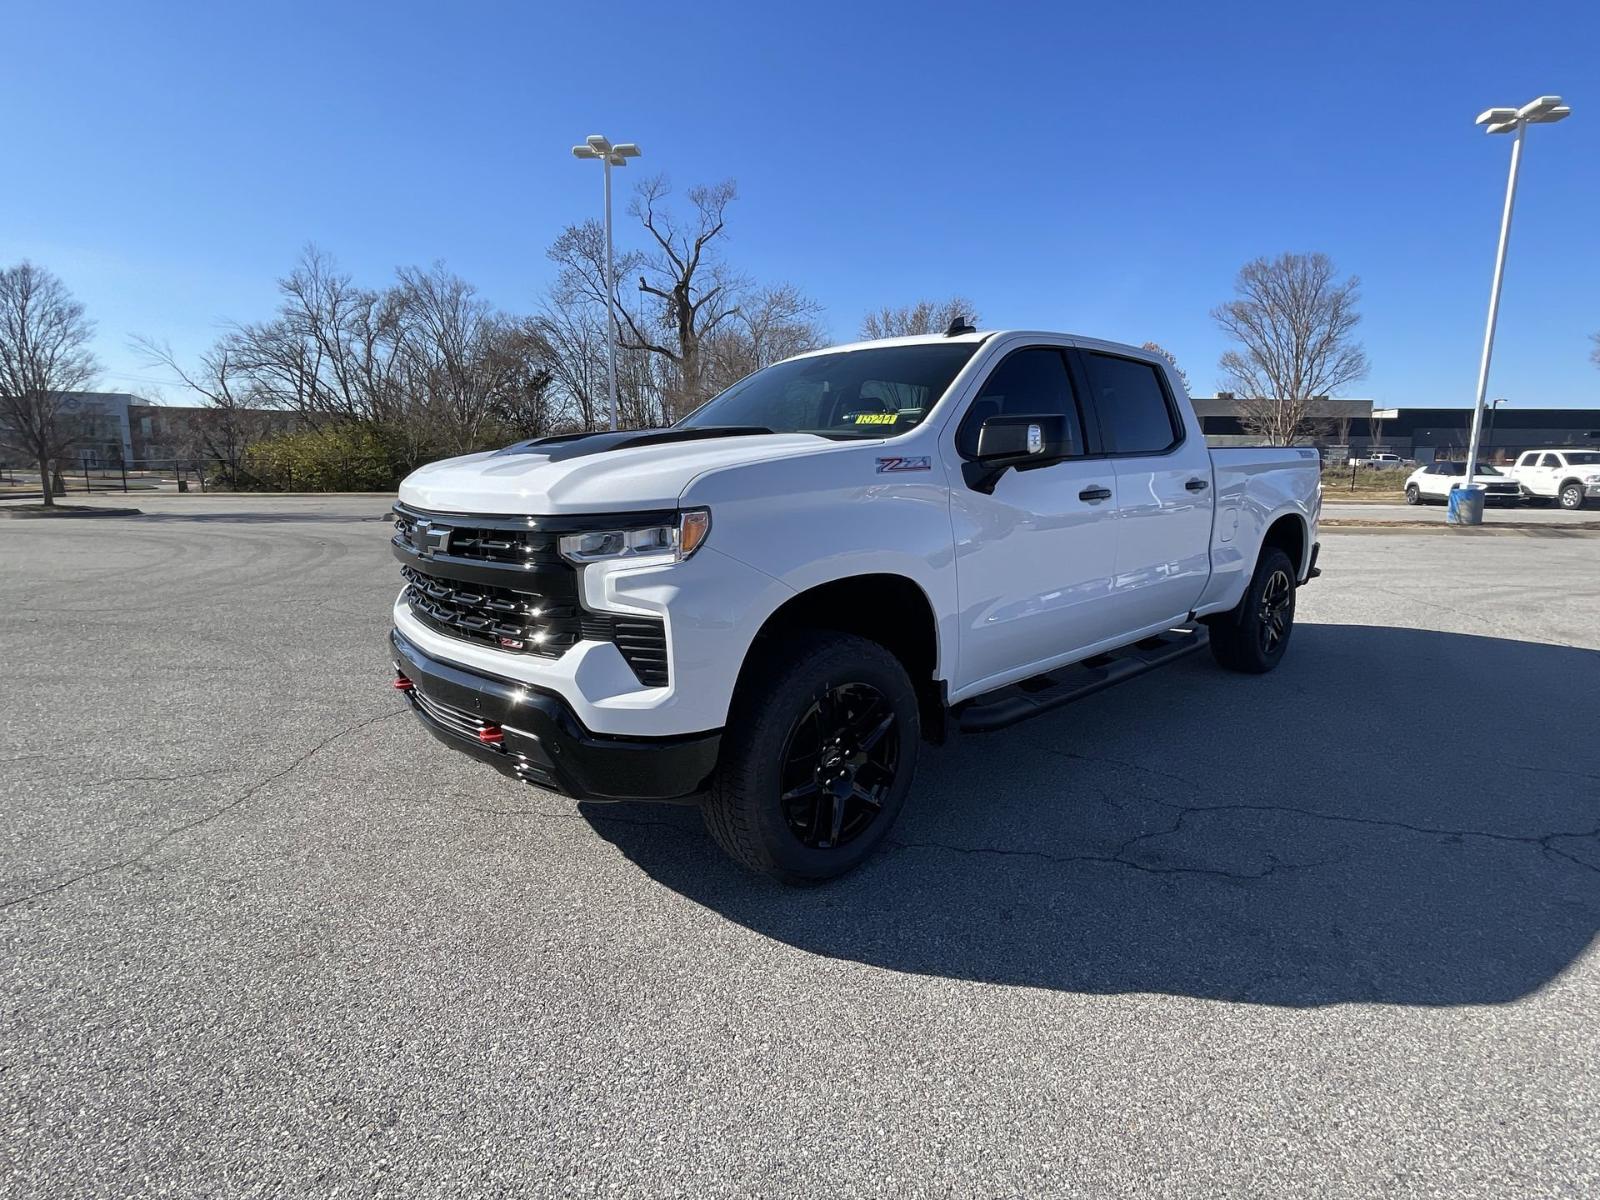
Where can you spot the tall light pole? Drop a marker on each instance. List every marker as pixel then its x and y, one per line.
pixel 1494 407
pixel 597 146
pixel 1546 110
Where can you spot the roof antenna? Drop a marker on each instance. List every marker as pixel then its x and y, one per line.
pixel 959 326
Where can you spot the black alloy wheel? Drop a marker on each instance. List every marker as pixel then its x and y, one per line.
pixel 817 758
pixel 839 766
pixel 1253 635
pixel 1277 610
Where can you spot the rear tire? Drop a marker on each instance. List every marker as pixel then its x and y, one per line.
pixel 817 759
pixel 1572 496
pixel 1253 636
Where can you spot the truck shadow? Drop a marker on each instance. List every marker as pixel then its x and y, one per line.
pixel 1395 816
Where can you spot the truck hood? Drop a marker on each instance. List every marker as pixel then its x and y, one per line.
pixel 592 474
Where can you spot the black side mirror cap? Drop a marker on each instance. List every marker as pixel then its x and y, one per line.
pixel 1015 441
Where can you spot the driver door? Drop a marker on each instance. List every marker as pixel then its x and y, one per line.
pixel 1035 558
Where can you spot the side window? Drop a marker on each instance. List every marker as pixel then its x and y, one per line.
pixel 1527 460
pixel 1027 383
pixel 1134 415
pixel 1550 460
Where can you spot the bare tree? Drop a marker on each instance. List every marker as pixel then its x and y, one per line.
pixel 692 327
pixel 1294 322
pixel 426 365
pixel 520 401
pixel 771 324
pixel 1340 426
pixel 575 335
pixel 1594 355
pixel 463 367
pixel 44 358
pixel 1158 348
pixel 925 316
pixel 686 275
pixel 333 352
pixel 233 420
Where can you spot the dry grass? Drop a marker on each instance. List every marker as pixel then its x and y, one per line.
pixel 1363 483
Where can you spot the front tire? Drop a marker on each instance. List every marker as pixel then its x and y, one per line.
pixel 1572 497
pixel 1253 637
pixel 817 759
pixel 1413 496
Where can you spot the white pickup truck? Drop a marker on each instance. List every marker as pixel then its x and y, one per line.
pixel 767 608
pixel 1569 477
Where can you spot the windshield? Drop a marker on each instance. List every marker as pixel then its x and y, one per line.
pixel 1583 459
pixel 873 393
pixel 1455 468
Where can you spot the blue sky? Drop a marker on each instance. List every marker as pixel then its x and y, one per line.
pixel 1103 169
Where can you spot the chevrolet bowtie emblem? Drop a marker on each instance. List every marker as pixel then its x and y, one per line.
pixel 430 541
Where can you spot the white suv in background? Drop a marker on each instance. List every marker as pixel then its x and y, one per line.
pixel 1434 483
pixel 1569 477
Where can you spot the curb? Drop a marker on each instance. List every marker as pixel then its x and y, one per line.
pixel 1358 524
pixel 67 514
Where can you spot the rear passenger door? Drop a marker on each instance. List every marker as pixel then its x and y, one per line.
pixel 1164 489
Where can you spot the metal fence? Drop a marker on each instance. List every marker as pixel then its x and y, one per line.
pixel 88 476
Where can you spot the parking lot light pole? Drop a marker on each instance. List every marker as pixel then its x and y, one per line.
pixel 1546 110
pixel 597 146
pixel 1488 434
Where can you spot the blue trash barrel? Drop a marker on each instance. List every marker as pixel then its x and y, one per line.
pixel 1466 505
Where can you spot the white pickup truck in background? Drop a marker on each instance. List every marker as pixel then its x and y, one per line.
pixel 769 606
pixel 1569 477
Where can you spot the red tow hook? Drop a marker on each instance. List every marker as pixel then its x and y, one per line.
pixel 491 735
pixel 402 684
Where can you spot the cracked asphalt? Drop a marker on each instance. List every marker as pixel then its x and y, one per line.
pixel 1329 932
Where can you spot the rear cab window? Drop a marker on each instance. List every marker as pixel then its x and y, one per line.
pixel 1135 412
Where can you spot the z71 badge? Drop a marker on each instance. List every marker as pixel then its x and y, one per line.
pixel 921 462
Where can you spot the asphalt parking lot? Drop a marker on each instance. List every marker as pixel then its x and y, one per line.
pixel 1326 932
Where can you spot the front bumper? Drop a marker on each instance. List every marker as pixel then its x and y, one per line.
pixel 535 736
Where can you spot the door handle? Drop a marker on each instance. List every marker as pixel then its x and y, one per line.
pixel 1198 485
pixel 1091 494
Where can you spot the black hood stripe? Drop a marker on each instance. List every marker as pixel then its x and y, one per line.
pixel 581 445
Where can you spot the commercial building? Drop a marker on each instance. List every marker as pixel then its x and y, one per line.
pixel 1423 434
pixel 111 429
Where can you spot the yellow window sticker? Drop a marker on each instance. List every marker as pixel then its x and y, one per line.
pixel 876 418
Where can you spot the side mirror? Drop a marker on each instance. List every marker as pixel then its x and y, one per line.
pixel 1015 441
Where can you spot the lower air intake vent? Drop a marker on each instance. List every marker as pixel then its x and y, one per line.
pixel 643 642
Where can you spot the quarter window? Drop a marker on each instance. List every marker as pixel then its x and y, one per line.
pixel 1029 383
pixel 1135 417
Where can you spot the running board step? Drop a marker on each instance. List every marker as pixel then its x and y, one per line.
pixel 1019 701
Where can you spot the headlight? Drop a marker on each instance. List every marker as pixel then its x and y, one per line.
pixel 1592 479
pixel 675 542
